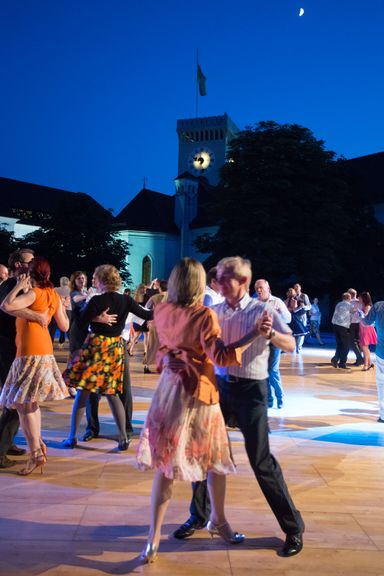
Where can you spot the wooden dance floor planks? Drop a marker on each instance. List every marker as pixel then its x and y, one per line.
pixel 88 513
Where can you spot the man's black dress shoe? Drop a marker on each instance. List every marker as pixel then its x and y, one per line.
pixel 380 420
pixel 123 444
pixel 293 544
pixel 188 528
pixel 69 443
pixel 89 435
pixel 6 462
pixel 16 451
pixel 359 363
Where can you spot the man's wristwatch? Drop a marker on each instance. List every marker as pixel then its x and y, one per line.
pixel 272 334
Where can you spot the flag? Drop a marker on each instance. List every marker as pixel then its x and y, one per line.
pixel 201 79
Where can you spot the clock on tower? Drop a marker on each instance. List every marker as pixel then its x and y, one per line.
pixel 203 145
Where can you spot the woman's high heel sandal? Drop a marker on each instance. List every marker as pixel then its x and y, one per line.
pixel 36 460
pixel 149 554
pixel 225 531
pixel 43 448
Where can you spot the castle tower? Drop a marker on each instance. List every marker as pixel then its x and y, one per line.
pixel 203 145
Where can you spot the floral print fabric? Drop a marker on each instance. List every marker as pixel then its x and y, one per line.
pixel 98 366
pixel 182 436
pixel 33 379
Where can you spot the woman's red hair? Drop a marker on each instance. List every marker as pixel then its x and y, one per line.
pixel 40 271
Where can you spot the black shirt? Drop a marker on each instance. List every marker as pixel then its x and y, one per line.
pixel 7 322
pixel 118 304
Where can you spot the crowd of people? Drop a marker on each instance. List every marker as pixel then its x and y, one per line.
pixel 217 349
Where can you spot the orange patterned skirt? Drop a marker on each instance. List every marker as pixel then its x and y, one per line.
pixel 98 366
pixel 183 437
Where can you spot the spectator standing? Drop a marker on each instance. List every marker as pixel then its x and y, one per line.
pixel 315 321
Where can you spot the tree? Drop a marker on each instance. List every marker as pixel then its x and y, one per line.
pixel 79 236
pixel 7 245
pixel 286 205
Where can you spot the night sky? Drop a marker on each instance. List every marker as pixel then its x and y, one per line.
pixel 91 89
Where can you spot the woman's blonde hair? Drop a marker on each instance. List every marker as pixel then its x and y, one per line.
pixel 140 292
pixel 109 276
pixel 186 284
pixel 291 293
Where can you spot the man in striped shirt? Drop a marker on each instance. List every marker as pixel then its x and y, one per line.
pixel 243 393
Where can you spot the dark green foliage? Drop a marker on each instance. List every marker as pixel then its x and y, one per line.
pixel 79 236
pixel 287 205
pixel 7 245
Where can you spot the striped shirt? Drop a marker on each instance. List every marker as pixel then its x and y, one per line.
pixel 238 321
pixel 279 306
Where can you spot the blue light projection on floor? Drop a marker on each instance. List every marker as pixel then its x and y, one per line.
pixel 364 434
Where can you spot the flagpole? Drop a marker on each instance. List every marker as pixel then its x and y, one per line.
pixel 197 84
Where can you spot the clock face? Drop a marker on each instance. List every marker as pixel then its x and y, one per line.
pixel 201 160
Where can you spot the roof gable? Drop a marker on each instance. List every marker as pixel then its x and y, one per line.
pixel 149 210
pixel 32 203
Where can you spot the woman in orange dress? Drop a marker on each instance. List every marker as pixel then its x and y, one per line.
pixel 184 436
pixel 34 376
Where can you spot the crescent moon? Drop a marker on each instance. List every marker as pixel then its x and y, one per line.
pixel 301 11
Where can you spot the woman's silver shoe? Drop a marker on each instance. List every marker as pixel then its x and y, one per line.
pixel 225 531
pixel 149 554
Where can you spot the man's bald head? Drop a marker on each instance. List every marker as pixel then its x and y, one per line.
pixel 262 289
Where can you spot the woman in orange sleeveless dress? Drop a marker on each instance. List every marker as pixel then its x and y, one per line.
pixel 34 376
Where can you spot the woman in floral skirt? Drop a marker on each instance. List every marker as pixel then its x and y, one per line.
pixel 99 364
pixel 184 436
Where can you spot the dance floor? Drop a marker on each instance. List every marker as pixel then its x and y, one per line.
pixel 88 513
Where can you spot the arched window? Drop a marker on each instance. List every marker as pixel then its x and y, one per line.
pixel 146 270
